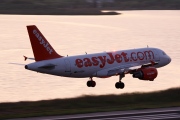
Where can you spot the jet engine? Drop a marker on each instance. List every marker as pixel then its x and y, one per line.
pixel 149 73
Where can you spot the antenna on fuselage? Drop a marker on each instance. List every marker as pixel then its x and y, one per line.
pixel 147 46
pixel 86 53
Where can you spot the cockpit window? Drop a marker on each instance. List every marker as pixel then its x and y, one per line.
pixel 163 53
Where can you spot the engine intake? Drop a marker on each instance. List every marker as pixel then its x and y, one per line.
pixel 149 73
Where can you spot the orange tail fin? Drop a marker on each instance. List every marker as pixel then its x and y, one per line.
pixel 41 48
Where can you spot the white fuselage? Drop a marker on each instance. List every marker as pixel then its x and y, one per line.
pixel 97 65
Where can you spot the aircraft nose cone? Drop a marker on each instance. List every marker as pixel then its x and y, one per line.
pixel 26 67
pixel 169 60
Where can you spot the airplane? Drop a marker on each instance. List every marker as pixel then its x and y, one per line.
pixel 142 63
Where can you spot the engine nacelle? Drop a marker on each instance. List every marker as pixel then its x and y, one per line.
pixel 149 73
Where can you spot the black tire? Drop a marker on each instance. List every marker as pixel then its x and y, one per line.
pixel 89 83
pixel 93 83
pixel 117 85
pixel 121 85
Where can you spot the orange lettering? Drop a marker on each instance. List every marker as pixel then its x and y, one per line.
pixel 95 61
pixel 87 62
pixel 111 60
pixel 125 56
pixel 79 63
pixel 118 58
pixel 103 61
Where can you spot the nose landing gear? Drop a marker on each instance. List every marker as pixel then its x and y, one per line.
pixel 91 83
pixel 120 84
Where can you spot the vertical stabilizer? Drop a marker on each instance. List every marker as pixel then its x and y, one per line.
pixel 41 48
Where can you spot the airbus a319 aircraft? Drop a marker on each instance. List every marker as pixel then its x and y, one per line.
pixel 142 63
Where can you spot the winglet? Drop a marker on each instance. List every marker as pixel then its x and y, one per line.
pixel 41 48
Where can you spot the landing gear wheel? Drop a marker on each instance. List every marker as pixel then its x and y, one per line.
pixel 91 83
pixel 119 85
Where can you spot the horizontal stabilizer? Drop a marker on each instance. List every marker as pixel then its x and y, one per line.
pixel 49 66
pixel 16 64
pixel 25 58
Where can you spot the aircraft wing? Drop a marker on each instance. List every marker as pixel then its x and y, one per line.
pixel 121 69
pixel 128 68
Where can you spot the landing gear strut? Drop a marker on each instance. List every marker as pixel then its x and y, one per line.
pixel 91 83
pixel 120 84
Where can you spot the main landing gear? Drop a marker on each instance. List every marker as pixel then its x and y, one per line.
pixel 91 83
pixel 120 84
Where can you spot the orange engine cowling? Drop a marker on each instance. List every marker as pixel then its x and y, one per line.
pixel 149 73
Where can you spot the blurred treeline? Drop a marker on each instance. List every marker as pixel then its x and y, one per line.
pixel 63 6
pixel 147 4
